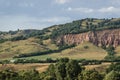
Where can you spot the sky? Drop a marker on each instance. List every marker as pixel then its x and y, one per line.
pixel 39 14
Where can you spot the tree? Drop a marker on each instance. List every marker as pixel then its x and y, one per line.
pixel 113 75
pixel 73 69
pixel 115 67
pixel 49 78
pixel 60 71
pixel 51 70
pixel 90 75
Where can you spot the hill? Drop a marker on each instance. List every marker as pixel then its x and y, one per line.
pixel 81 39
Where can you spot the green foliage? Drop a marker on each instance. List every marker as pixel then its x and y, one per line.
pixel 111 53
pixel 64 69
pixel 113 75
pixel 49 60
pixel 73 69
pixel 18 38
pixel 76 27
pixel 8 75
pixel 90 75
pixel 49 78
pixel 3 40
pixel 86 47
pixel 115 67
pixel 60 71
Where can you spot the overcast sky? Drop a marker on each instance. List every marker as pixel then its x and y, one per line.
pixel 38 14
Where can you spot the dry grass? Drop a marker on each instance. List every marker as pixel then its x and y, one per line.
pixel 41 67
pixel 117 50
pixel 19 67
pixel 10 49
pixel 49 44
pixel 78 52
pixel 101 68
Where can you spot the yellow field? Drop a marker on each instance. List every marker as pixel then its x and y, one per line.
pixel 101 68
pixel 19 67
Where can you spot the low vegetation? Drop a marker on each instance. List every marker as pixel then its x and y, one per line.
pixel 64 69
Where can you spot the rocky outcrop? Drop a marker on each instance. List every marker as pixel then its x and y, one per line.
pixel 99 38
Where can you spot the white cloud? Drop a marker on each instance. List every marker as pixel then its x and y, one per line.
pixel 82 10
pixel 62 1
pixel 110 9
pixel 115 2
pixel 13 22
pixel 56 19
pixel 24 4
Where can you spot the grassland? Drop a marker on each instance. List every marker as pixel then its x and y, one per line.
pixel 117 50
pixel 20 67
pixel 41 67
pixel 12 48
pixel 78 52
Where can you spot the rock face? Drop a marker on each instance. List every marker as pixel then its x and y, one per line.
pixel 98 38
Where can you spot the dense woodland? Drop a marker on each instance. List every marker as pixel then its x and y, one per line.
pixel 64 69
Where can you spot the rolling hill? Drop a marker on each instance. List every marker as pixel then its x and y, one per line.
pixel 88 36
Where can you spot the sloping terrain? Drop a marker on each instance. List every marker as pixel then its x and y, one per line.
pixel 89 35
pixel 10 49
pixel 78 52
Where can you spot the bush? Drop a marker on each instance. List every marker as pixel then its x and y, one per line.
pixel 86 47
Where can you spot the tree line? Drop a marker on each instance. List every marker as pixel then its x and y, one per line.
pixel 64 69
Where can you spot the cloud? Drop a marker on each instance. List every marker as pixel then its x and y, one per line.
pixel 24 4
pixel 81 10
pixel 13 22
pixel 62 1
pixel 110 9
pixel 56 19
pixel 115 2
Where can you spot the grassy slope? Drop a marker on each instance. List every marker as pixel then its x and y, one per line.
pixel 78 52
pixel 117 50
pixel 10 49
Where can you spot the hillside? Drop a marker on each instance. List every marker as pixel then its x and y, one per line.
pixel 80 39
pixel 78 52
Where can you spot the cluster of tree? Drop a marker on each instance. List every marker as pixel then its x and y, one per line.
pixel 48 60
pixel 110 53
pixel 23 75
pixel 18 38
pixel 3 40
pixel 64 69
pixel 76 26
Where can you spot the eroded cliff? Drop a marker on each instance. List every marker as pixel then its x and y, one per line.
pixel 98 38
